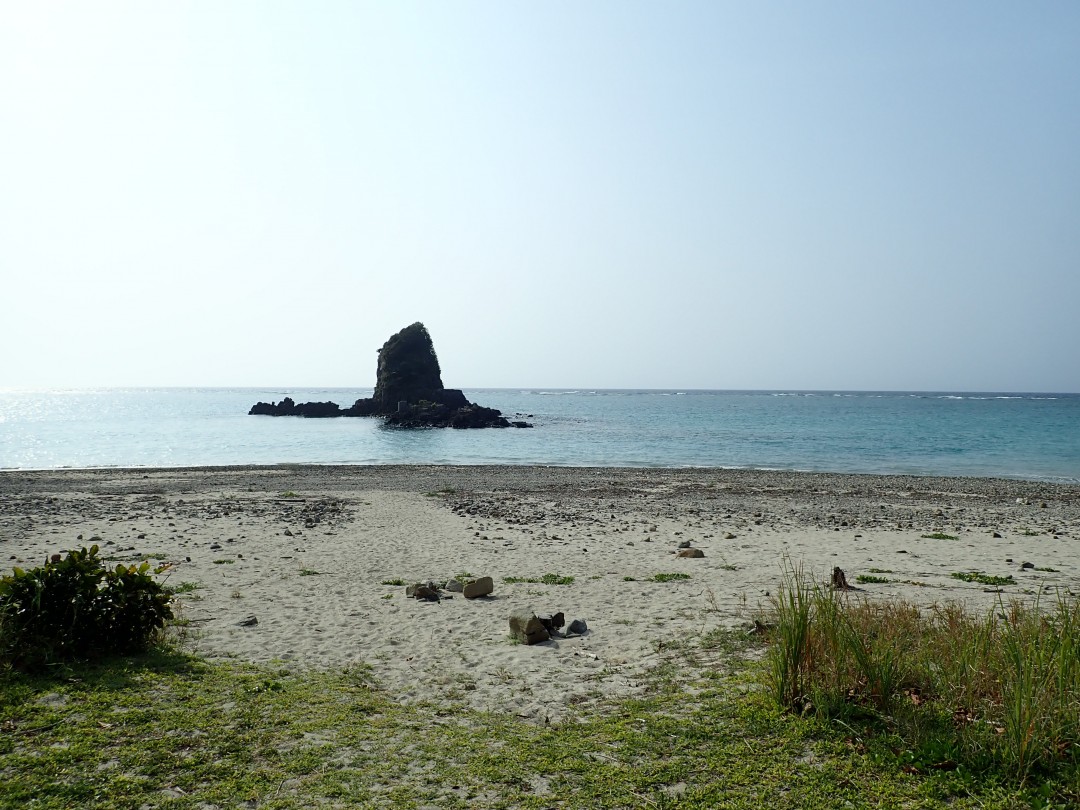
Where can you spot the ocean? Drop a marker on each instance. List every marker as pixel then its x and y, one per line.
pixel 1025 436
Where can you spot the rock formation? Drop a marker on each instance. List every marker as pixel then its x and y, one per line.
pixel 408 392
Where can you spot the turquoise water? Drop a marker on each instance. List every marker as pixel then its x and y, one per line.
pixel 1031 436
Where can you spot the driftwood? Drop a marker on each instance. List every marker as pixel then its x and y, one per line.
pixel 839 581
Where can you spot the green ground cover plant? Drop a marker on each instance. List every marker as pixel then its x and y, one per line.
pixel 169 730
pixel 546 579
pixel 982 579
pixel 183 587
pixel 667 577
pixel 870 579
pixel 939 536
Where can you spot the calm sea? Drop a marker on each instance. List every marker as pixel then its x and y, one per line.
pixel 1030 436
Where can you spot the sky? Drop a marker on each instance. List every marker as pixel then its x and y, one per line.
pixel 625 194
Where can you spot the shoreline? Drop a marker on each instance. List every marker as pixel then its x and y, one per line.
pixel 307 549
pixel 405 474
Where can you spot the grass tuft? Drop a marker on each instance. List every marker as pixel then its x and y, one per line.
pixel 999 692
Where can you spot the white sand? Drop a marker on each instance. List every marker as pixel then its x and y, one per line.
pixel 319 601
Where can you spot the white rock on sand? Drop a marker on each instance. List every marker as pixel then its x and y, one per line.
pixel 310 568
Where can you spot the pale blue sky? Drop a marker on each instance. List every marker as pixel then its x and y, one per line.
pixel 603 194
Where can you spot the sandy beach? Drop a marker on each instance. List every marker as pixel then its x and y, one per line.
pixel 306 550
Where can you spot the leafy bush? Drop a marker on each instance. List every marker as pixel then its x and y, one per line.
pixel 74 607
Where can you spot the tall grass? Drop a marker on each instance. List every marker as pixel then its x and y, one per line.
pixel 1001 688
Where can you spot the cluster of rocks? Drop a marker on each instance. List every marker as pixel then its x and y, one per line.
pixel 469 587
pixel 530 628
pixel 409 392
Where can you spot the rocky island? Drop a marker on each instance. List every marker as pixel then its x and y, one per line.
pixel 408 392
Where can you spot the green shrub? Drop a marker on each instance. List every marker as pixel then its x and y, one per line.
pixel 74 608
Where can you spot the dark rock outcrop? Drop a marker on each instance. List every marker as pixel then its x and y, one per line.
pixel 408 393
pixel 408 370
pixel 289 408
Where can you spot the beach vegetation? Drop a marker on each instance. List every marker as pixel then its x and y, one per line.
pixel 871 579
pixel 669 577
pixel 1047 570
pixel 289 494
pixel 881 571
pixel 309 572
pixel 183 587
pixel 73 607
pixel 546 579
pixel 939 536
pixel 952 690
pixel 1029 532
pixel 397 581
pixel 224 562
pixel 982 579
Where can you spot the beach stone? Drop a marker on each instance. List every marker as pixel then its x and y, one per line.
pixel 684 544
pixel 691 553
pixel 454 585
pixel 527 628
pixel 425 591
pixel 552 622
pixel 250 621
pixel 577 627
pixel 481 586
pixel 1024 565
pixel 729 536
